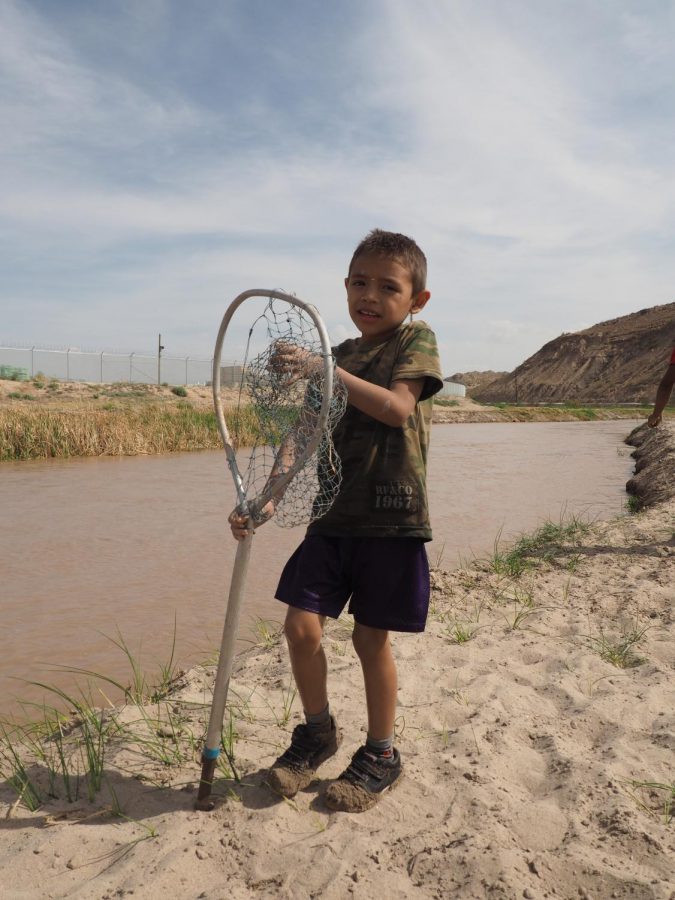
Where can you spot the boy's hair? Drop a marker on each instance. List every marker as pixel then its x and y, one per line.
pixel 399 247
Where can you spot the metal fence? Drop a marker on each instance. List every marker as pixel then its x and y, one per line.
pixel 69 364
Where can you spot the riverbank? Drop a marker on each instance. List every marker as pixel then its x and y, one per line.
pixel 44 419
pixel 535 723
pixel 463 409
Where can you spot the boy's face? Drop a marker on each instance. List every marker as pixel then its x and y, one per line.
pixel 380 295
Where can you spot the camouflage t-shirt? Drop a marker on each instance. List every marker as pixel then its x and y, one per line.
pixel 383 491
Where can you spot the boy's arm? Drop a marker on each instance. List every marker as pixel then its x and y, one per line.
pixel 391 406
pixel 663 393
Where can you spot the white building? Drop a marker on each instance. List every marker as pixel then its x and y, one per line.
pixel 452 389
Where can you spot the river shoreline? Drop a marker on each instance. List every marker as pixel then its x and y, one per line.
pixel 467 411
pixel 535 724
pixel 43 420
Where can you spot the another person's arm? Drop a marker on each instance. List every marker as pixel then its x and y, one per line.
pixel 663 393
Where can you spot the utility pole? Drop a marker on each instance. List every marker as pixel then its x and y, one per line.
pixel 160 347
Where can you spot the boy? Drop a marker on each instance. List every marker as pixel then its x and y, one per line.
pixel 369 547
pixel 663 393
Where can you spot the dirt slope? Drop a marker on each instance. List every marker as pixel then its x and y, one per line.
pixel 618 361
pixel 476 381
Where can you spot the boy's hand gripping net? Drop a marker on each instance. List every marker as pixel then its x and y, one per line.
pixel 284 404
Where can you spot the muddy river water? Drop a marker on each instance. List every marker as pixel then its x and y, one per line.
pixel 94 548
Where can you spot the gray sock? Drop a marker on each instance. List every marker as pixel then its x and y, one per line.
pixel 384 747
pixel 319 722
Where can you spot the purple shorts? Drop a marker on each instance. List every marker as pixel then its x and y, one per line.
pixel 386 578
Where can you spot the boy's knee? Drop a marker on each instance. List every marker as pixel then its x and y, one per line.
pixel 369 642
pixel 303 631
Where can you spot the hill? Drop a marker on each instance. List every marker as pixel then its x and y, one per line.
pixel 475 381
pixel 618 361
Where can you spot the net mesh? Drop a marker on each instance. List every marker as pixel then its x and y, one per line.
pixel 276 413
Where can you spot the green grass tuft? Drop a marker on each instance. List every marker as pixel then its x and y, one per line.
pixel 619 651
pixel 544 544
pixel 633 504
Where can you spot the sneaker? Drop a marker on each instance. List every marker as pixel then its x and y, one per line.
pixel 295 767
pixel 364 781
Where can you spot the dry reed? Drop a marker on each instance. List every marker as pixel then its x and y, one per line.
pixel 120 431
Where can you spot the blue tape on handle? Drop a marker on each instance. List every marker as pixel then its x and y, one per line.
pixel 210 754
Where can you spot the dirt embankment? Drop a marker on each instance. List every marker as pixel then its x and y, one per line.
pixel 60 395
pixel 617 361
pixel 54 394
pixel 42 419
pixel 466 410
pixel 654 478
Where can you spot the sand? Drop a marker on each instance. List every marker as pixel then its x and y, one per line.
pixel 524 751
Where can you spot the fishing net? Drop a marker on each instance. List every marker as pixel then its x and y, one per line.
pixel 276 414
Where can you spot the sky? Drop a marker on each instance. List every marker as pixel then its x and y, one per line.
pixel 159 157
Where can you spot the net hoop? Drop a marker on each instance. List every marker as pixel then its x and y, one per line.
pixel 321 421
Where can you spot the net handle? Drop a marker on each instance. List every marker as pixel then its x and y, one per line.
pixel 280 483
pixel 211 750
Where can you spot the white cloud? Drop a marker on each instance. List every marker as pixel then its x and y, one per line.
pixel 499 136
pixel 55 104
